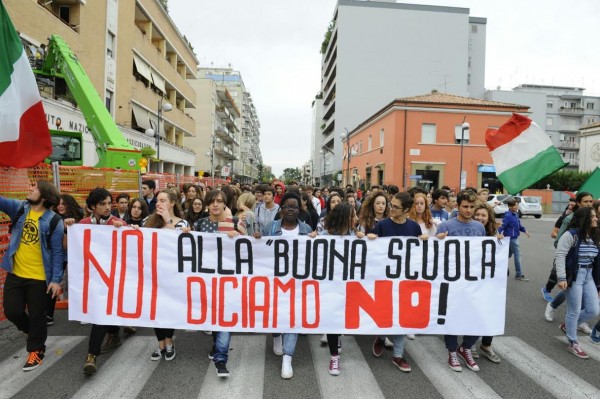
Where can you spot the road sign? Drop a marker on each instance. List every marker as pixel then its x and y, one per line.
pixel 416 177
pixel 225 171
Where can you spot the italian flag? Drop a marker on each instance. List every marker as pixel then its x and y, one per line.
pixel 24 135
pixel 522 153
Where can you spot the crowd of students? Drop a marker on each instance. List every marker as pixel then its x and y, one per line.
pixel 277 210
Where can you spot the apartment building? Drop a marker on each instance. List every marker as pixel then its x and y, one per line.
pixel 380 50
pixel 136 59
pixel 420 141
pixel 228 122
pixel 562 111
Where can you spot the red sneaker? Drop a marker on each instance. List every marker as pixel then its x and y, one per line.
pixel 378 346
pixel 575 349
pixel 467 356
pixel 402 364
pixel 453 361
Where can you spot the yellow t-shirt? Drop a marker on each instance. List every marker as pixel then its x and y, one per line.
pixel 28 262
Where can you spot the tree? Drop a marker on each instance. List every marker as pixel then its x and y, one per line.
pixel 563 180
pixel 290 174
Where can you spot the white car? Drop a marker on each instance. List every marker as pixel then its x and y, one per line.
pixel 496 201
pixel 530 206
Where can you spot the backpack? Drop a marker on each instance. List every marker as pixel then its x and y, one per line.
pixel 53 223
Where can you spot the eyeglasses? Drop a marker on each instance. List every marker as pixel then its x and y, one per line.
pixel 394 207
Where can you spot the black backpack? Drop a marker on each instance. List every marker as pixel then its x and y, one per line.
pixel 53 223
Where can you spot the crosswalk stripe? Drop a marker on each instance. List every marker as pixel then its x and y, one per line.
pixel 553 377
pixel 591 349
pixel 120 376
pixel 356 380
pixel 14 379
pixel 432 358
pixel 246 364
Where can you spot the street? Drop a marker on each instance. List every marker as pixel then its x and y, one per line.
pixel 535 362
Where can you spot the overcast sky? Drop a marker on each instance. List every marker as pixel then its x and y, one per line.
pixel 275 45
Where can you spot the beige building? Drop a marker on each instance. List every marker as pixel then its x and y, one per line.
pixel 136 59
pixel 589 152
pixel 226 121
pixel 217 132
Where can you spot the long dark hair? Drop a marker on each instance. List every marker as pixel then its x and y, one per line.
pixel 192 216
pixel 340 220
pixel 72 208
pixel 143 205
pixel 157 221
pixel 48 193
pixel 582 222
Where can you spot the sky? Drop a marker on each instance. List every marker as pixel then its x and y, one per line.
pixel 275 45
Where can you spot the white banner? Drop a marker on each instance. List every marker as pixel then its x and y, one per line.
pixel 327 284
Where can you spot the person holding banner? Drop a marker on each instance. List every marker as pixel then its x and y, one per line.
pixel 340 222
pixel 216 201
pixel 421 214
pixel 460 226
pixel 374 208
pixel 397 225
pixel 287 225
pixel 485 215
pixel 99 201
pixel 167 215
pixel 34 265
pixel 578 271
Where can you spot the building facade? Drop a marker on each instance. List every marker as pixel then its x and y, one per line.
pixel 420 141
pixel 136 59
pixel 226 120
pixel 379 50
pixel 589 153
pixel 560 110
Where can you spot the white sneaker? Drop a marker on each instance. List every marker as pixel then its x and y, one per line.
pixel 323 340
pixel 278 345
pixel 410 336
pixel 549 313
pixel 286 367
pixel 387 343
pixel 584 328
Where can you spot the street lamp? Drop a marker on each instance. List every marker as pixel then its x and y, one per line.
pixel 465 126
pixel 211 154
pixel 346 137
pixel 166 107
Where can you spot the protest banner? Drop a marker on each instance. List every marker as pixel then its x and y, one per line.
pixel 327 284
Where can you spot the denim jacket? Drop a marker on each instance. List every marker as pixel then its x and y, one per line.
pixel 52 257
pixel 274 228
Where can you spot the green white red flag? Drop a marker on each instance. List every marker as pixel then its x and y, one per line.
pixel 523 154
pixel 24 135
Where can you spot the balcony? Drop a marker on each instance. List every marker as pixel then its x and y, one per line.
pixel 569 128
pixel 329 111
pixel 329 126
pixel 569 145
pixel 330 80
pixel 572 162
pixel 571 111
pixel 329 95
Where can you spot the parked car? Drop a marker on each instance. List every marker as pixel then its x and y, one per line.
pixel 496 201
pixel 530 206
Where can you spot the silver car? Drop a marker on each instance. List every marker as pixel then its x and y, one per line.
pixel 530 206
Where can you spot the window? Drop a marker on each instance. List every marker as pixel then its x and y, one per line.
pixel 110 44
pixel 591 120
pixel 381 137
pixel 459 135
pixel 549 121
pixel 360 147
pixel 473 28
pixel 428 133
pixel 370 145
pixel 549 105
pixel 64 13
pixel 108 99
pixel 468 78
pixel 589 105
pixel 573 105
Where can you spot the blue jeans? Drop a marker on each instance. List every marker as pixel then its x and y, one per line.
pixel 513 249
pixel 399 345
pixel 583 290
pixel 452 342
pixel 558 299
pixel 289 343
pixel 221 341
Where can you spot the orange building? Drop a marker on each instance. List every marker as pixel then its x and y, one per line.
pixel 417 141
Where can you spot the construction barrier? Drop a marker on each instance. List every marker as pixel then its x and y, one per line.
pixel 78 181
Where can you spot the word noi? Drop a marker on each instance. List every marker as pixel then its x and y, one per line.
pixel 379 304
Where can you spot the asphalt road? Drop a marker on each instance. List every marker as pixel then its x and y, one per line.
pixel 535 362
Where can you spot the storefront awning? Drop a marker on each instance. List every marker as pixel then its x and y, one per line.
pixel 142 67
